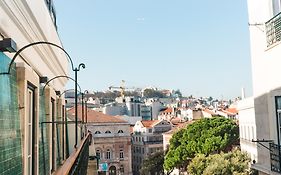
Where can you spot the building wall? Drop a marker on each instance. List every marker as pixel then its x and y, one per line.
pixel 247 128
pixel 27 22
pixel 266 80
pixel 113 141
pixel 146 141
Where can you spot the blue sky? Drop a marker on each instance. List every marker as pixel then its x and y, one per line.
pixel 199 47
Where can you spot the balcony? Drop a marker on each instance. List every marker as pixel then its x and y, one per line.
pixel 51 8
pixel 77 162
pixel 273 30
pixel 153 142
pixel 275 157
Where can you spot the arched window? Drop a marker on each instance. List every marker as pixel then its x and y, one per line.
pixel 120 131
pixel 107 132
pixel 97 132
pixel 98 153
pixel 108 154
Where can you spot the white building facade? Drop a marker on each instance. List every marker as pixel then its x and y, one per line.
pixel 30 145
pixel 147 139
pixel 264 26
pixel 247 128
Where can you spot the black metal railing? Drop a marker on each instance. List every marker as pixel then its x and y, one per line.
pixel 275 157
pixel 77 162
pixel 273 30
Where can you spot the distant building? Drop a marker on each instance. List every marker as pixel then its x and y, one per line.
pixel 111 142
pixel 115 109
pixel 155 105
pixel 167 114
pixel 147 139
pixel 247 128
pixel 230 113
pixel 207 113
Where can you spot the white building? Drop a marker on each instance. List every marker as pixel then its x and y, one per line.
pixel 156 106
pixel 265 36
pixel 147 139
pixel 247 127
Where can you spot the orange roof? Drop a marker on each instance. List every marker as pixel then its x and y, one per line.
pixel 232 111
pixel 94 116
pixel 149 123
pixel 168 110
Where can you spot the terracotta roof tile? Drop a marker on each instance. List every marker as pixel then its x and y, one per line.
pixel 168 110
pixel 149 123
pixel 95 117
pixel 230 111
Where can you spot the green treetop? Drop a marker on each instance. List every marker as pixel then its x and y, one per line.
pixel 205 136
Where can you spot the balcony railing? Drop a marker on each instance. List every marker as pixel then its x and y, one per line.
pixel 275 157
pixel 153 142
pixel 77 162
pixel 273 30
pixel 52 10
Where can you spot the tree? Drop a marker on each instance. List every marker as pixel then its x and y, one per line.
pixel 153 164
pixel 205 136
pixel 151 93
pixel 178 93
pixel 234 162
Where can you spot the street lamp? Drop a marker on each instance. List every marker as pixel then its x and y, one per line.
pixel 60 76
pixel 83 114
pixel 75 69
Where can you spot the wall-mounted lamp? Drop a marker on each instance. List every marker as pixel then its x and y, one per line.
pixel 43 79
pixel 7 44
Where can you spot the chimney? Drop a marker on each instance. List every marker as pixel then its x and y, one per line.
pixel 242 93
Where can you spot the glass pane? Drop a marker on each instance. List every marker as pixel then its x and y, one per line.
pixel 278 102
pixel 29 166
pixel 29 139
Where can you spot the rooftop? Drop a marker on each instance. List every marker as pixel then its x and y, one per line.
pixel 94 116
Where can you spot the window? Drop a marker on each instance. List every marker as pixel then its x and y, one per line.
pixel 98 153
pixel 97 132
pixel 108 154
pixel 30 129
pixel 121 169
pixel 276 7
pixel 121 154
pixel 53 140
pixel 150 130
pixel 107 132
pixel 278 117
pixel 120 131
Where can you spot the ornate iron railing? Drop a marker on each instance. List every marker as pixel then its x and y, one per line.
pixel 77 162
pixel 275 157
pixel 273 30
